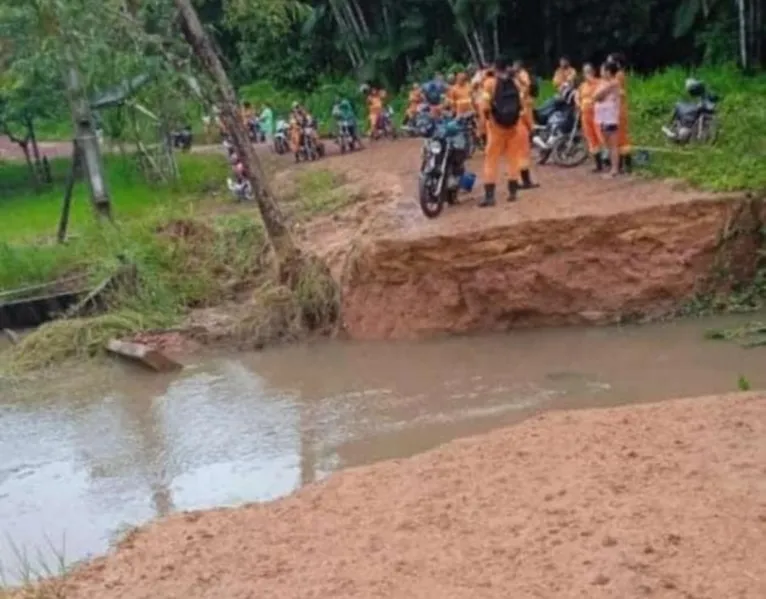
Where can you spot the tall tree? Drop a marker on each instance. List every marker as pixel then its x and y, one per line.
pixel 285 250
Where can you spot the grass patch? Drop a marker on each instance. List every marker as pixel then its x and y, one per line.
pixel 26 213
pixel 319 191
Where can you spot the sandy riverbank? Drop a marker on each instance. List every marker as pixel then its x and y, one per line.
pixel 665 500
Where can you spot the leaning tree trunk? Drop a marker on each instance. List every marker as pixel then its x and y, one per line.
pixel 286 252
pixel 743 34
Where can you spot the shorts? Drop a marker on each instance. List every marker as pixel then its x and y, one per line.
pixel 608 128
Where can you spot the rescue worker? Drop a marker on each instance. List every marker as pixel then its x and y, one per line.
pixel 414 101
pixel 300 119
pixel 375 105
pixel 623 132
pixel 524 146
pixel 482 76
pixel 565 74
pixel 501 105
pixel 461 100
pixel 585 102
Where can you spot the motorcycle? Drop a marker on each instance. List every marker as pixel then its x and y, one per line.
pixel 558 131
pixel 238 184
pixel 694 121
pixel 254 130
pixel 309 148
pixel 281 145
pixel 347 138
pixel 443 166
pixel 182 138
pixel 385 125
pixel 422 124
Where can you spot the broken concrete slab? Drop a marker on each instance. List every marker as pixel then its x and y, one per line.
pixel 145 355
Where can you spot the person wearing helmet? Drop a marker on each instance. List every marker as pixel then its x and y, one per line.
pixel 342 111
pixel 434 92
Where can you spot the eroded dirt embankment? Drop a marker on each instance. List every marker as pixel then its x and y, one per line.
pixel 665 501
pixel 577 250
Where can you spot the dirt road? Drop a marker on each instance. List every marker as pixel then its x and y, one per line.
pixel 665 501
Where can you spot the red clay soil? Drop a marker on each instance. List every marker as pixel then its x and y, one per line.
pixel 578 250
pixel 664 501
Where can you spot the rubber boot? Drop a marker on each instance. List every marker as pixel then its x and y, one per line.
pixel 489 196
pixel 526 180
pixel 627 163
pixel 513 190
pixel 599 161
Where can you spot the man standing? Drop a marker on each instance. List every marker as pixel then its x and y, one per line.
pixel 501 105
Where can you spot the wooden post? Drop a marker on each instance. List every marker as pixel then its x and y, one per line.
pixel 70 182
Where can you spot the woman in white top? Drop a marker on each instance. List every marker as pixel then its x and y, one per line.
pixel 607 112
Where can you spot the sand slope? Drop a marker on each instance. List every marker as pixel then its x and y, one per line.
pixel 667 500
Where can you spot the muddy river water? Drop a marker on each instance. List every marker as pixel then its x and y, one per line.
pixel 83 460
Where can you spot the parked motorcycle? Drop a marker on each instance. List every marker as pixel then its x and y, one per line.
pixel 182 138
pixel 694 121
pixel 347 137
pixel 281 145
pixel 443 166
pixel 558 131
pixel 385 125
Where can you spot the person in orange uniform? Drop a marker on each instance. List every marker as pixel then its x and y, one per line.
pixel 524 146
pixel 461 95
pixel 586 102
pixel 414 101
pixel 376 99
pixel 503 134
pixel 564 75
pixel 478 81
pixel 623 132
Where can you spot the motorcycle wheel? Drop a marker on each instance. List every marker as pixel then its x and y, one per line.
pixel 570 153
pixel 430 204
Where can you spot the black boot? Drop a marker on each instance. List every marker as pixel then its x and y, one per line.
pixel 627 163
pixel 513 190
pixel 526 180
pixel 489 195
pixel 621 164
pixel 599 162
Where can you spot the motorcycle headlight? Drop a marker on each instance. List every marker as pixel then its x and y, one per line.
pixel 435 147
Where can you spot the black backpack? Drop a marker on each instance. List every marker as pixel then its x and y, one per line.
pixel 506 105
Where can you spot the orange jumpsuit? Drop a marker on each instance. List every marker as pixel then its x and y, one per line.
pixel 414 101
pixel 623 132
pixel 297 123
pixel 527 120
pixel 501 141
pixel 586 102
pixel 563 76
pixel 479 100
pixel 461 98
pixel 375 107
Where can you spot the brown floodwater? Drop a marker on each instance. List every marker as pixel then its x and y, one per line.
pixel 101 450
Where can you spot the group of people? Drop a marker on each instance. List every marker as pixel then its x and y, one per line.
pixel 490 91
